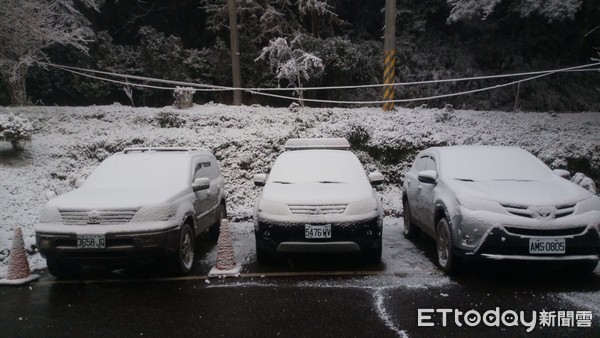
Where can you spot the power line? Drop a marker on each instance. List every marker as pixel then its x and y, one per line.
pixel 259 91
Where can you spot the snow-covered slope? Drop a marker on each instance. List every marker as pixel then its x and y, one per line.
pixel 70 142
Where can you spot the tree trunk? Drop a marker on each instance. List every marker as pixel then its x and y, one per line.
pixel 16 86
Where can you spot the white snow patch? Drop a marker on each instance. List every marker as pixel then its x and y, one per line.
pixel 380 307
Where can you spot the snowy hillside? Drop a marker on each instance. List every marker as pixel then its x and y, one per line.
pixel 69 142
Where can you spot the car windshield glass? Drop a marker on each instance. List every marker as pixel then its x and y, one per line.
pixel 140 170
pixel 492 164
pixel 317 166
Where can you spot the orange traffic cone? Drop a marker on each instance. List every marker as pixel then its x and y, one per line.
pixel 18 266
pixel 226 265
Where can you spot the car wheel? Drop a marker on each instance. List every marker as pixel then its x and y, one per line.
pixel 373 255
pixel 411 231
pixel 215 229
pixel 447 260
pixel 262 255
pixel 183 261
pixel 61 269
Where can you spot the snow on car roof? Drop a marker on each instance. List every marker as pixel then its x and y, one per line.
pixel 317 165
pixel 486 163
pixel 161 149
pixel 317 143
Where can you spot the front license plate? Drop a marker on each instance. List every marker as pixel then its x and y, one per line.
pixel 317 231
pixel 547 246
pixel 91 241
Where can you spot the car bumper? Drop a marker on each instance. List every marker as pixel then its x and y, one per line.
pixel 345 237
pixel 120 247
pixel 581 243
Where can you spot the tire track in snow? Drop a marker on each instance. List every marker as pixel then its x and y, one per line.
pixel 382 312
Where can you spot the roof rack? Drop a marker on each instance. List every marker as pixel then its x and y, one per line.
pixel 158 149
pixel 339 143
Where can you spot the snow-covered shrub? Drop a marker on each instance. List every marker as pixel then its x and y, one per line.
pixel 184 97
pixel 585 182
pixel 15 129
pixel 444 115
pixel 168 120
pixel 358 136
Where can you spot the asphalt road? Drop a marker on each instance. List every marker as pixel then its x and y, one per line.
pixel 306 296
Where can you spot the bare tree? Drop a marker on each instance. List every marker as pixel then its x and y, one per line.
pixel 28 27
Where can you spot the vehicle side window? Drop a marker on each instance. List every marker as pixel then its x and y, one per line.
pixel 421 163
pixel 430 164
pixel 200 171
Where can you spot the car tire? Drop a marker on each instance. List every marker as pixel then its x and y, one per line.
pixel 411 231
pixel 215 229
pixel 447 260
pixel 61 269
pixel 263 256
pixel 183 260
pixel 373 255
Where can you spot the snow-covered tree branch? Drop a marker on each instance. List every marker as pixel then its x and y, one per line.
pixel 552 10
pixel 291 63
pixel 28 27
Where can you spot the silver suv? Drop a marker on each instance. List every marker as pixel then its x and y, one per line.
pixel 140 203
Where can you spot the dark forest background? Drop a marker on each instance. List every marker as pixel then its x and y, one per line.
pixel 188 40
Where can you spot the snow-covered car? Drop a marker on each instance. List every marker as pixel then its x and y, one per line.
pixel 499 203
pixel 138 204
pixel 318 198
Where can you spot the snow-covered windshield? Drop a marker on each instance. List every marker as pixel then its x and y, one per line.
pixel 322 166
pixel 492 164
pixel 140 170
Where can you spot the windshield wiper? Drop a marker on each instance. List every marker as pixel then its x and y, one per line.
pixel 282 182
pixel 465 179
pixel 330 182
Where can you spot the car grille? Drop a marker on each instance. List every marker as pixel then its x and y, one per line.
pixel 103 217
pixel 533 212
pixel 324 209
pixel 546 232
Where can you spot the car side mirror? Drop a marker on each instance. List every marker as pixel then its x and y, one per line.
pixel 260 180
pixel 50 194
pixel 376 178
pixel 79 182
pixel 202 183
pixel 562 173
pixel 427 176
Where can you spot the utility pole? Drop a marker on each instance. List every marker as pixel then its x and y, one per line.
pixel 235 53
pixel 389 44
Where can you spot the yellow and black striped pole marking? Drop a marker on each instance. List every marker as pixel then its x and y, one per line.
pixel 389 75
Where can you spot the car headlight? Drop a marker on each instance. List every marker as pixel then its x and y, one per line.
pixel 155 213
pixel 362 206
pixel 50 214
pixel 273 208
pixel 588 204
pixel 479 204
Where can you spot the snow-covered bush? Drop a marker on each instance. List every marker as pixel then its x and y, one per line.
pixel 357 135
pixel 15 129
pixel 183 97
pixel 168 120
pixel 445 114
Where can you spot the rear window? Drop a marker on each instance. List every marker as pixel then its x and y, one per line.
pixel 325 166
pixel 140 170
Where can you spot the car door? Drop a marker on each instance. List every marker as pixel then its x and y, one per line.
pixel 411 186
pixel 425 196
pixel 202 203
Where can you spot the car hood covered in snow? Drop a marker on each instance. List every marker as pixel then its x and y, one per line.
pixel 115 198
pixel 549 192
pixel 316 193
